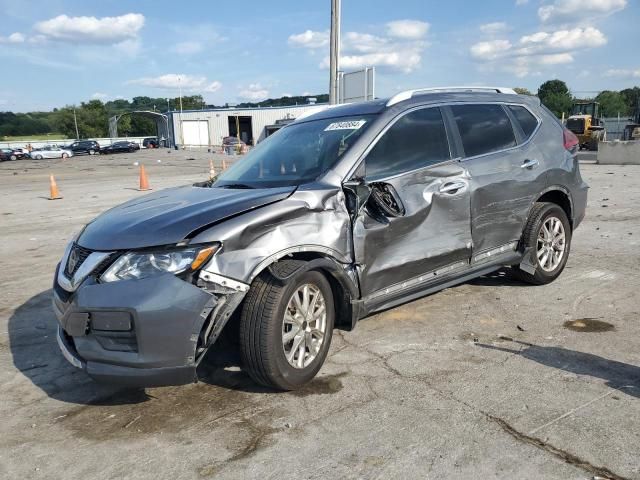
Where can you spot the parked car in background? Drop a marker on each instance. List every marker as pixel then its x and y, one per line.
pixel 344 213
pixel 50 152
pixel 120 147
pixel 5 154
pixel 232 145
pixel 13 153
pixel 90 147
pixel 150 142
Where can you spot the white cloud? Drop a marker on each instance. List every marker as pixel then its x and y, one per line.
pixel 254 92
pixel 310 39
pixel 15 37
pixel 174 81
pixel 561 10
pixel 99 96
pixel 574 39
pixel 187 48
pixel 494 28
pixel 490 50
pixel 623 73
pixel 536 50
pixel 363 42
pixel 521 2
pixel 407 29
pixel 399 50
pixel 555 59
pixel 105 30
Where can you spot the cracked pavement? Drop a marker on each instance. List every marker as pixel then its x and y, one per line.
pixel 483 380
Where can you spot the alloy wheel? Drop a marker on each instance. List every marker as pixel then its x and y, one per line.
pixel 304 326
pixel 551 244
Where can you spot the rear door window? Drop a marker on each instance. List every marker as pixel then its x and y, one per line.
pixel 527 121
pixel 483 128
pixel 416 140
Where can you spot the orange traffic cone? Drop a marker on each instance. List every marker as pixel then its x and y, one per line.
pixel 212 171
pixel 144 181
pixel 54 194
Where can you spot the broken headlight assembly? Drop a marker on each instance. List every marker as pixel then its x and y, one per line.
pixel 143 264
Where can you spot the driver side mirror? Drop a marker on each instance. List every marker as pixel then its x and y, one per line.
pixel 385 199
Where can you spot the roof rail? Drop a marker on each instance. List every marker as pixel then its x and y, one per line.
pixel 407 94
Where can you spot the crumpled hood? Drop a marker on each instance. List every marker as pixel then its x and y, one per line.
pixel 168 216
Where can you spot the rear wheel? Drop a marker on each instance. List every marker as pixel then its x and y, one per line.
pixel 92 152
pixel 13 157
pixel 38 157
pixel 547 236
pixel 286 328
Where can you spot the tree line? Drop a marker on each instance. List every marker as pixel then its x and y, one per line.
pixel 93 116
pixel 557 97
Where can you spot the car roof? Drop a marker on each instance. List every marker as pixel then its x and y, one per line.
pixel 420 97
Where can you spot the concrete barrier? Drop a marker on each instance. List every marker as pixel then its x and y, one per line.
pixel 619 153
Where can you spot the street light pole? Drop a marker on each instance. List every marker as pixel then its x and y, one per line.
pixel 334 51
pixel 75 121
pixel 180 96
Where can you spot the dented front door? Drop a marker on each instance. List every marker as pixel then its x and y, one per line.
pixel 430 236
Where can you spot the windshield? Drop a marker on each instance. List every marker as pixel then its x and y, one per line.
pixel 296 154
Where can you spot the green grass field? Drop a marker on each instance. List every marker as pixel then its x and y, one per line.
pixel 27 138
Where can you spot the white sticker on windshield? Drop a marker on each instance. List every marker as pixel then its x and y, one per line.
pixel 350 125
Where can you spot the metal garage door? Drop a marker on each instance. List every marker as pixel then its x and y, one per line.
pixel 195 132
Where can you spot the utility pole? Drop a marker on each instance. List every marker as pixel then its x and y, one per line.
pixel 334 51
pixel 75 121
pixel 180 95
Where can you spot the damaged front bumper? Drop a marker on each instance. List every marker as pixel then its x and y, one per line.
pixel 142 333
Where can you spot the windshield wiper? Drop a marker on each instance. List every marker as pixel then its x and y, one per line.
pixel 236 185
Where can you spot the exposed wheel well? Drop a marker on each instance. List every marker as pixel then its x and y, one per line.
pixel 341 294
pixel 559 198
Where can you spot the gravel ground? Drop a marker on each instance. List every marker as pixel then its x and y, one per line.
pixel 490 379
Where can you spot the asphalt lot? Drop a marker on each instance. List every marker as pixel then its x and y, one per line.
pixel 490 379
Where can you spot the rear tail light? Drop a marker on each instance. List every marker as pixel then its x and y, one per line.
pixel 570 140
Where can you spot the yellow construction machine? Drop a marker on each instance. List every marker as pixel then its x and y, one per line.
pixel 586 123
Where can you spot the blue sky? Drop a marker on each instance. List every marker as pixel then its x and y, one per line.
pixel 66 51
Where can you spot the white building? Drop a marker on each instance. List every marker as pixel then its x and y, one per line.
pixel 206 128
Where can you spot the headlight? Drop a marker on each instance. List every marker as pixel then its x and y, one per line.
pixel 137 265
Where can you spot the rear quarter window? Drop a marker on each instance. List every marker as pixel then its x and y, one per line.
pixel 483 128
pixel 527 121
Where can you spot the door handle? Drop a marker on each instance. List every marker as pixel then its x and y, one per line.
pixel 530 164
pixel 453 187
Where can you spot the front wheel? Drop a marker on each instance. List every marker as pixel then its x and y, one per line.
pixel 547 238
pixel 65 156
pixel 13 157
pixel 38 157
pixel 286 328
pixel 92 152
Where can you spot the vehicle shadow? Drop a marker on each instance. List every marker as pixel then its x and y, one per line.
pixel 32 342
pixel 499 278
pixel 617 375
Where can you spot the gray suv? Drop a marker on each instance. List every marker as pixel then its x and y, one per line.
pixel 349 211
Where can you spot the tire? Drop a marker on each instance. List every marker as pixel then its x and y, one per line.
pixel 65 156
pixel 13 157
pixel 92 152
pixel 38 157
pixel 263 325
pixel 542 214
